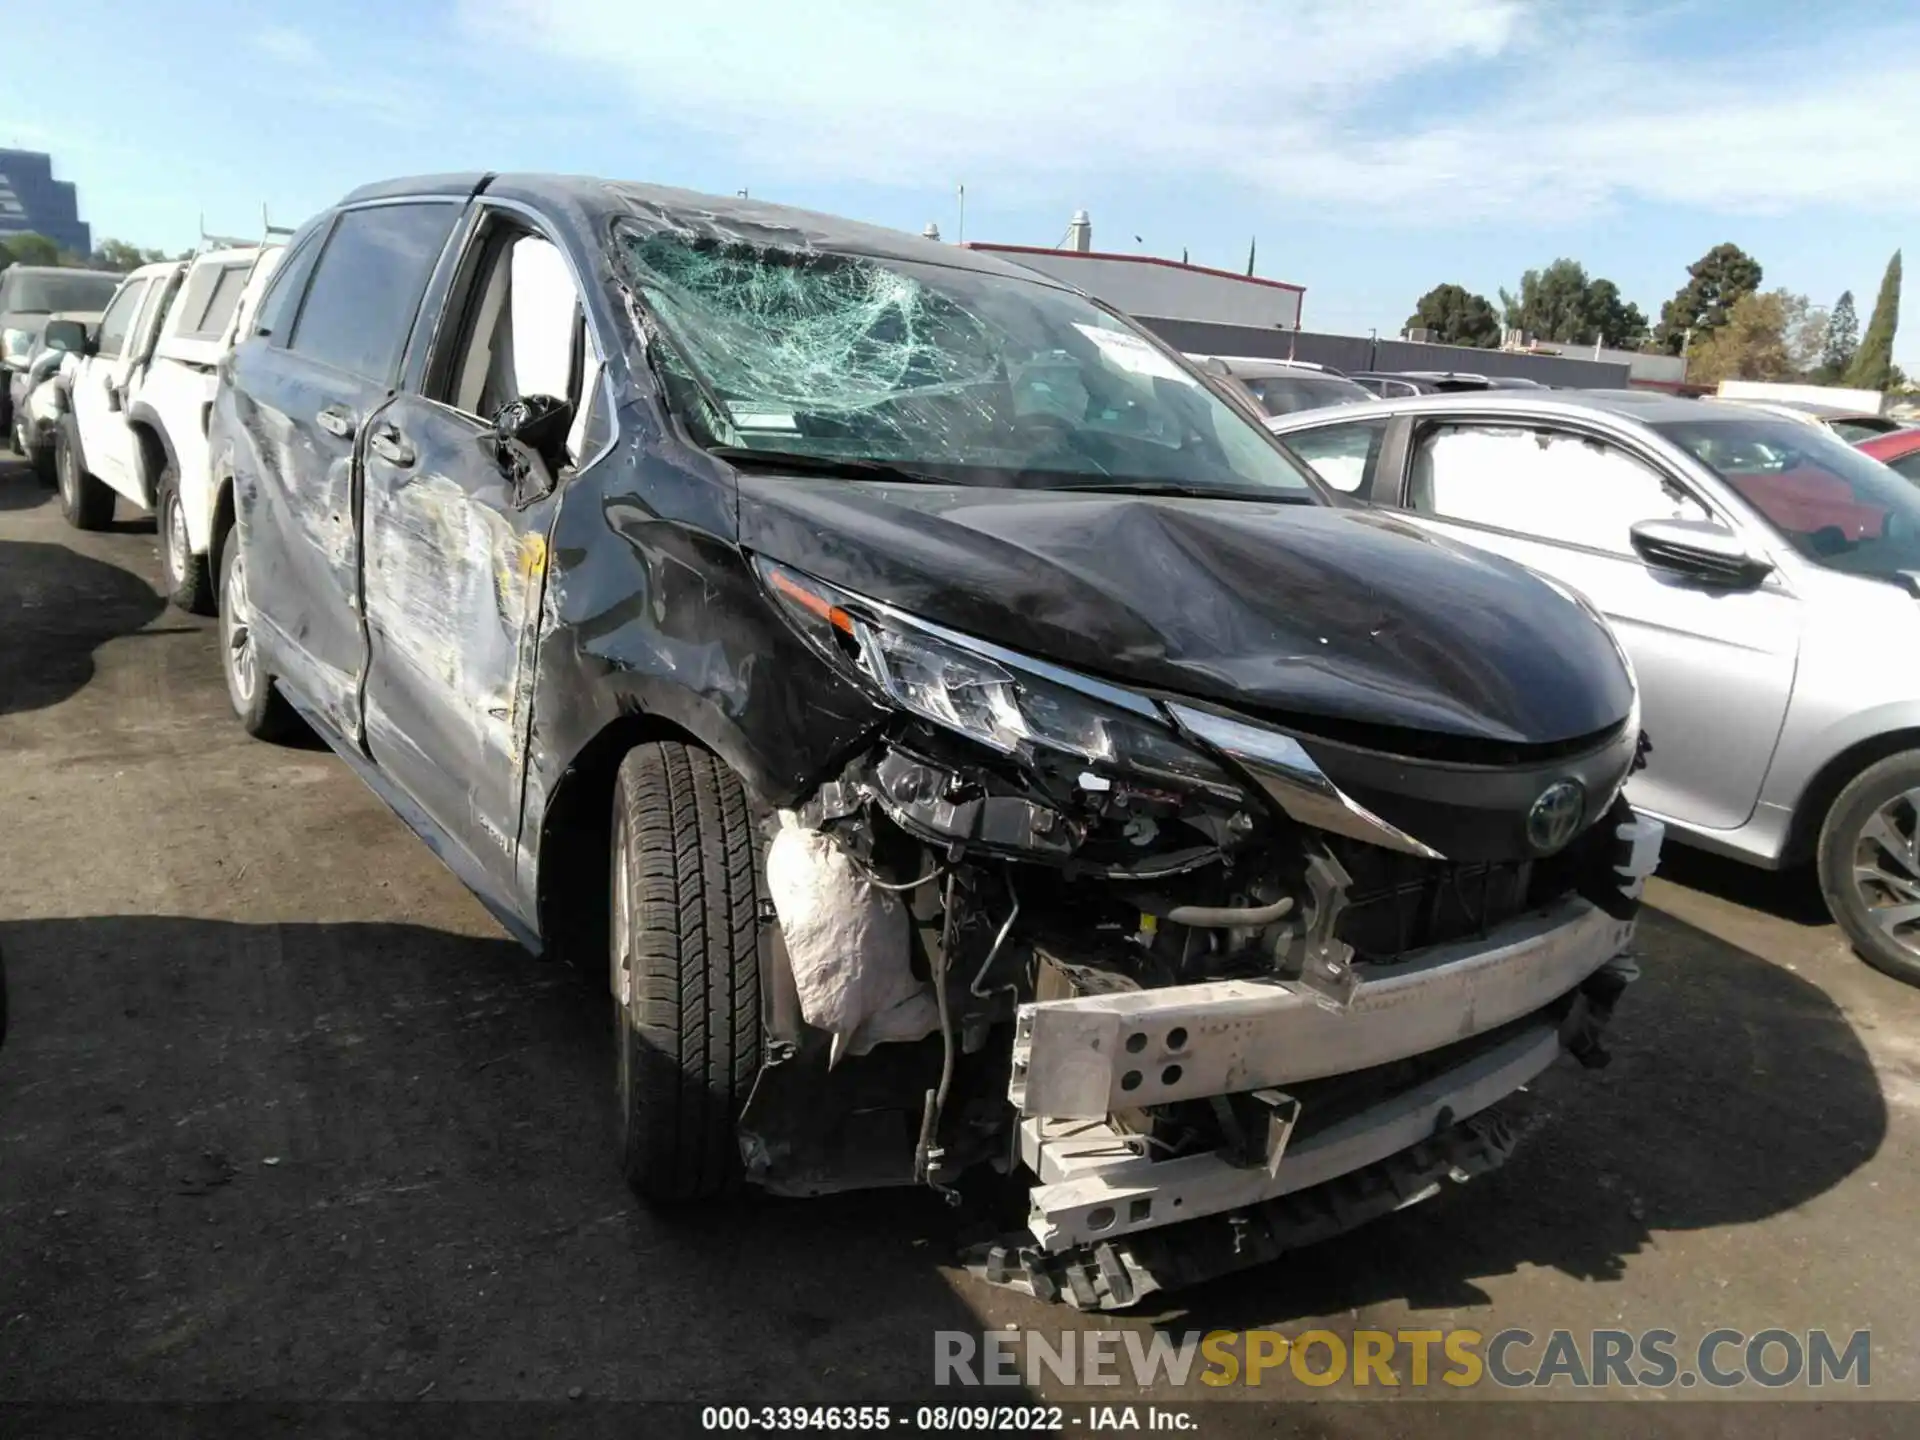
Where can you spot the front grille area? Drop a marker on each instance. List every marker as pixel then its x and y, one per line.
pixel 1399 903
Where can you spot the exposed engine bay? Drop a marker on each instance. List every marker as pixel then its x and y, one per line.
pixel 1156 956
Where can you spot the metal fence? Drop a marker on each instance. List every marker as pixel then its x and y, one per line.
pixel 1357 352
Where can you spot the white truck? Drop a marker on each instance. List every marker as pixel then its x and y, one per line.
pixel 137 397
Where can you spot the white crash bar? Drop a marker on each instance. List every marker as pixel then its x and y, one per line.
pixel 1098 1054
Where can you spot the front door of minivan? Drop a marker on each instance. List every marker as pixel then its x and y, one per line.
pixel 455 535
pixel 306 402
pixel 1715 664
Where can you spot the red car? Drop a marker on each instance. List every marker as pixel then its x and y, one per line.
pixel 1899 448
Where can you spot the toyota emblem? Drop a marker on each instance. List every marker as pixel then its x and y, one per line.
pixel 1555 816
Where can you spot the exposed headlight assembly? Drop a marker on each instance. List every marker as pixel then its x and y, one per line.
pixel 1021 707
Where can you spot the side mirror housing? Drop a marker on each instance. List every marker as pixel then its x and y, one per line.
pixel 67 335
pixel 1703 550
pixel 529 430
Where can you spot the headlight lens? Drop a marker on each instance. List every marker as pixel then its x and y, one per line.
pixel 16 345
pixel 1008 709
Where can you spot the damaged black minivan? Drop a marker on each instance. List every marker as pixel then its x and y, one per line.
pixel 965 737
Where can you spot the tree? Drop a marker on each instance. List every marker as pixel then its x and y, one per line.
pixel 1456 316
pixel 1561 304
pixel 1756 341
pixel 1843 338
pixel 1617 324
pixel 1872 367
pixel 1715 283
pixel 31 249
pixel 1552 303
pixel 1806 330
pixel 119 255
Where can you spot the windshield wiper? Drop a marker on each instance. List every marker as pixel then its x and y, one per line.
pixel 846 466
pixel 1183 491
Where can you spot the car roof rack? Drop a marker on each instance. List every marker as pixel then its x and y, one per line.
pixel 270 233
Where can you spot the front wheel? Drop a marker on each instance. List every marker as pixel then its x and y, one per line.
pixel 188 584
pixel 1870 864
pixel 263 711
pixel 685 969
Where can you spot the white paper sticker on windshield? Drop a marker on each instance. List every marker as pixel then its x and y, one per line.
pixel 1131 352
pixel 746 417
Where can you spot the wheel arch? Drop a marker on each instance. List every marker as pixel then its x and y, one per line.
pixel 156 450
pixel 1816 799
pixel 576 836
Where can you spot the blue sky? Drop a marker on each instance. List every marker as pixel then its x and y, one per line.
pixel 1375 147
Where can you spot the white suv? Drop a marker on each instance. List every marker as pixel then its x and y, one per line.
pixel 138 400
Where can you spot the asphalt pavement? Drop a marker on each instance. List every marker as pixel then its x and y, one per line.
pixel 284 1116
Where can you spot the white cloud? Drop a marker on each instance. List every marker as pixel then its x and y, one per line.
pixel 1523 106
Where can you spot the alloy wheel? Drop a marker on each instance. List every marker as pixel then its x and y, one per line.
pixel 178 547
pixel 1886 869
pixel 236 625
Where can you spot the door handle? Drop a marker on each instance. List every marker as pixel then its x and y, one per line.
pixel 391 446
pixel 337 421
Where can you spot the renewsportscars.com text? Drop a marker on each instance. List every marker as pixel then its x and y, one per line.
pixel 1513 1358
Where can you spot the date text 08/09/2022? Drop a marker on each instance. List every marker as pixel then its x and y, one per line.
pixel 944 1419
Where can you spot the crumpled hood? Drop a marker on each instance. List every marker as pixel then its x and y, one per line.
pixel 1342 614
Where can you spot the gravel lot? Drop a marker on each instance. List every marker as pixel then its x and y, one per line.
pixel 284 1116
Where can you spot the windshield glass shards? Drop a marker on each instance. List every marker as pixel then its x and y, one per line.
pixel 980 377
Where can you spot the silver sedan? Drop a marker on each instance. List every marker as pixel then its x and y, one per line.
pixel 1762 575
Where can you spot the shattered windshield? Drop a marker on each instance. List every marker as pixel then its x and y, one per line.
pixel 976 377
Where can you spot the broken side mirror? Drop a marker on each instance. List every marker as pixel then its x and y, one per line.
pixel 67 335
pixel 1700 549
pixel 530 439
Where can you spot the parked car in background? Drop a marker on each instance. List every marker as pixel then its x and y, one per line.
pixel 1400 383
pixel 29 294
pixel 1281 387
pixel 1852 426
pixel 140 401
pixel 37 396
pixel 1762 574
pixel 888 665
pixel 1899 451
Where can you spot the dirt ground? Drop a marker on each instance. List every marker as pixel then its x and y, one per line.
pixel 284 1116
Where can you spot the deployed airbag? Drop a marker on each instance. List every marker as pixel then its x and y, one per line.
pixel 847 944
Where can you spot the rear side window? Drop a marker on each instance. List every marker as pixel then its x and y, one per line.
pixel 1908 465
pixel 117 323
pixel 1342 455
pixel 209 298
pixel 361 302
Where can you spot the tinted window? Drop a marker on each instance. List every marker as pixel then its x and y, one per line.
pixel 118 321
pixel 1856 428
pixel 1342 455
pixel 1837 507
pixel 282 301
pixel 44 294
pixel 1907 465
pixel 1547 484
pixel 1284 394
pixel 368 284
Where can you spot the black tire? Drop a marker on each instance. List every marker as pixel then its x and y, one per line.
pixel 86 503
pixel 687 1027
pixel 189 576
pixel 42 462
pixel 1843 839
pixel 264 712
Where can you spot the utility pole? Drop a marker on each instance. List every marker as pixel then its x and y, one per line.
pixel 961 237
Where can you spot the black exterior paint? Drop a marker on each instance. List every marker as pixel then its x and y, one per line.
pixel 650 620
